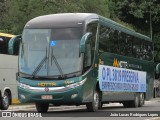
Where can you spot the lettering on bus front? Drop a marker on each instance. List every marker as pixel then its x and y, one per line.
pixel 46 84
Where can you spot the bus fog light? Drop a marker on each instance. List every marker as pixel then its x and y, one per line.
pixel 74 96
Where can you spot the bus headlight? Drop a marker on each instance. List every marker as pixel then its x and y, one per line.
pixel 76 84
pixel 24 86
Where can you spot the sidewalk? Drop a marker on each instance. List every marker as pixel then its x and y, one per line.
pixel 157 99
pixel 27 106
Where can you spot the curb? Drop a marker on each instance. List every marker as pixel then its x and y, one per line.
pixel 18 107
pixel 154 100
pixel 156 118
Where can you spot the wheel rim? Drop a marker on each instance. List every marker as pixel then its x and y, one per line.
pixel 5 100
pixel 141 98
pixel 136 101
pixel 96 100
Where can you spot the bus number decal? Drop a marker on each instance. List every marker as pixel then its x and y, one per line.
pixel 121 79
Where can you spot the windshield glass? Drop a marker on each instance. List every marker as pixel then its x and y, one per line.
pixel 50 52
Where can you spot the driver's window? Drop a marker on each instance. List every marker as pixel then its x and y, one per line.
pixel 90 46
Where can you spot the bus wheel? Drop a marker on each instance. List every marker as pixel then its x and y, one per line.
pixel 135 102
pixel 126 104
pixel 93 106
pixel 42 107
pixel 100 105
pixel 141 99
pixel 5 101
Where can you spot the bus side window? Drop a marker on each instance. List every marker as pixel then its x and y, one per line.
pixel 115 42
pixel 150 51
pixel 134 49
pixel 143 51
pixel 104 41
pixel 122 43
pixel 138 48
pixel 126 46
pixel 129 46
pixel 112 41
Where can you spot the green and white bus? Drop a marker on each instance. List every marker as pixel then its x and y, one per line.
pixel 8 70
pixel 83 59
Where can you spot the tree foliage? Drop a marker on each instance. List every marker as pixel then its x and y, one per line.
pixel 143 14
pixel 20 11
pixel 137 12
pixel 132 13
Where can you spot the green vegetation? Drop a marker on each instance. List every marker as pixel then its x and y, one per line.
pixel 134 14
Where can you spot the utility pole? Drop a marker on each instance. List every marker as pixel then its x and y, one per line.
pixel 150 12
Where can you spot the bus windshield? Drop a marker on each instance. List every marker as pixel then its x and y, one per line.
pixel 50 52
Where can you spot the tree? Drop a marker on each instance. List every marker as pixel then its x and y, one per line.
pixel 21 11
pixel 137 13
pixel 3 12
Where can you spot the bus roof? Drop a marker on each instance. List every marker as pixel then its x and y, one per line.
pixel 76 20
pixel 61 20
pixel 6 35
pixel 124 28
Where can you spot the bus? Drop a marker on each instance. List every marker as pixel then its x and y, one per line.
pixel 83 59
pixel 8 70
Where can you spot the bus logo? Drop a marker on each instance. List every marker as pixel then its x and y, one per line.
pixel 115 63
pixel 101 62
pixel 46 89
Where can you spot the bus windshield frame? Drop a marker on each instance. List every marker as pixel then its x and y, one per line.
pixel 51 53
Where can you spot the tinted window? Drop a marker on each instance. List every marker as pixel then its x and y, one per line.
pixel 104 41
pixel 114 41
pixel 4 45
pixel 113 37
pixel 122 42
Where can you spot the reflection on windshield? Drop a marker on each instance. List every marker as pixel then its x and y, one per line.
pixel 45 59
pixel 57 64
pixel 63 53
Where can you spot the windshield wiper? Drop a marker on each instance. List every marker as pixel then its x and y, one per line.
pixel 40 64
pixel 57 64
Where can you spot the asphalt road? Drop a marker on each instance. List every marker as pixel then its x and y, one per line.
pixel 150 111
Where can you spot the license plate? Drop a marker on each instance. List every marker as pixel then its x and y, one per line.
pixel 46 97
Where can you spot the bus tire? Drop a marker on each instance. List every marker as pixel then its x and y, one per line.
pixel 5 101
pixel 135 102
pixel 42 107
pixel 94 105
pixel 100 105
pixel 126 104
pixel 141 99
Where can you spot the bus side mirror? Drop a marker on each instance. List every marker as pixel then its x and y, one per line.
pixel 88 55
pixel 13 45
pixel 83 42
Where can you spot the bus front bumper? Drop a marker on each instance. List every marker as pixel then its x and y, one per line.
pixel 68 95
